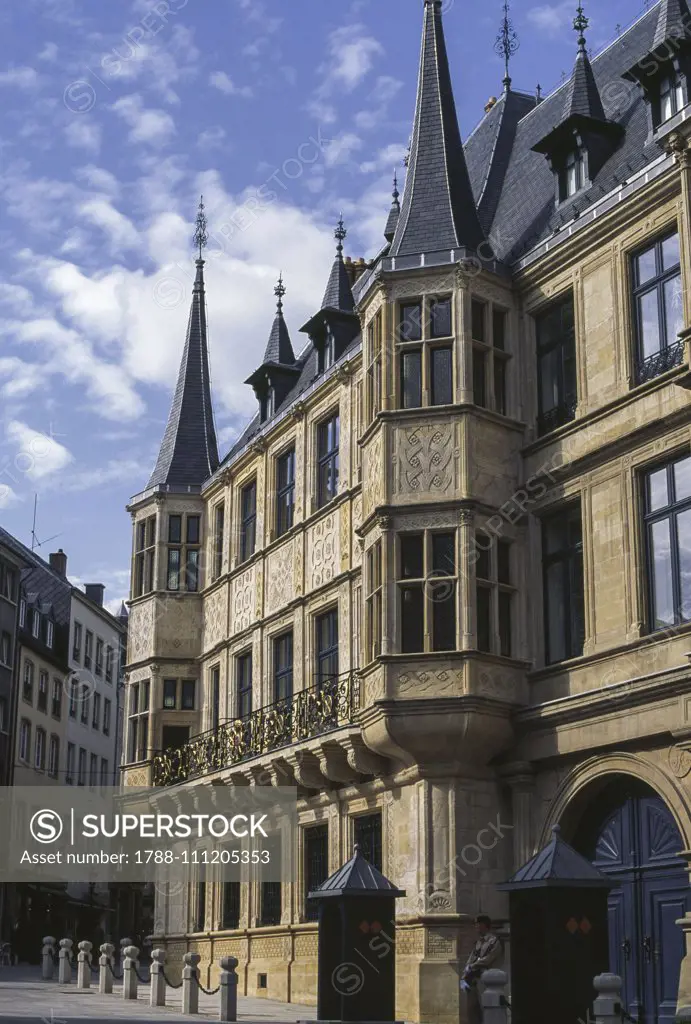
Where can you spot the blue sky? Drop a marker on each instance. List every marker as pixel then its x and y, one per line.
pixel 114 117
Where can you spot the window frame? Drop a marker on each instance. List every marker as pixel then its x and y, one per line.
pixel 54 756
pixel 496 588
pixel 670 351
pixel 424 344
pixel 248 521
pixel 138 725
pixel 328 465
pixel 283 669
pixel 42 691
pixel 374 601
pixel 329 654
pixel 565 409
pixel 219 510
pixel 28 682
pixel 183 561
pixel 650 517
pixel 107 705
pixel 426 583
pixel 285 493
pixel 243 684
pixel 40 745
pixel 24 741
pixel 566 557
pixel 487 352
pixel 143 575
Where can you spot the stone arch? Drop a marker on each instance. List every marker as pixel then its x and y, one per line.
pixel 581 783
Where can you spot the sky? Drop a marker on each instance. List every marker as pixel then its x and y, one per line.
pixel 114 118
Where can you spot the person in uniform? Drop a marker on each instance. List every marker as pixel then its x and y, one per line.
pixel 487 952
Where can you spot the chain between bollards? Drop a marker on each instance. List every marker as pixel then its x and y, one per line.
pixel 207 991
pixel 169 983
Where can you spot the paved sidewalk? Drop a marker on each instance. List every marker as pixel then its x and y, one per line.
pixel 24 996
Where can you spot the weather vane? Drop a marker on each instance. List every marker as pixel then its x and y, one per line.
pixel 201 234
pixel 340 234
pixel 279 292
pixel 580 24
pixel 507 43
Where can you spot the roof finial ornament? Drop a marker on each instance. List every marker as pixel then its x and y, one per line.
pixel 340 234
pixel 201 234
pixel 396 194
pixel 507 43
pixel 580 24
pixel 538 93
pixel 279 292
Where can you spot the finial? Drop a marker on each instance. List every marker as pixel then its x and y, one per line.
pixel 506 44
pixel 340 234
pixel 356 848
pixel 556 830
pixel 201 235
pixel 279 292
pixel 396 194
pixel 538 93
pixel 580 24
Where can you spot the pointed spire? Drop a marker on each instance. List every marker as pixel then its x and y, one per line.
pixel 507 43
pixel 394 212
pixel 338 294
pixel 583 95
pixel 438 210
pixel 279 350
pixel 189 450
pixel 672 23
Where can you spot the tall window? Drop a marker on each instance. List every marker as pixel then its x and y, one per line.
pixel 427 591
pixel 316 865
pixel 96 716
pixel 248 520
pixel 328 435
pixel 99 656
pixel 188 691
pixel 77 642
pixel 215 697
pixel 285 492
pixel 270 892
pixel 54 756
pixel 374 370
pixel 86 700
pixel 183 552
pixel 283 667
pixel 667 505
pixel 326 627
pixel 106 717
pixel 42 698
pixel 35 623
pixel 56 709
pixel 28 683
pixel 40 751
pixel 145 549
pixel 367 829
pixel 572 176
pixel 140 696
pixel 244 680
pixel 81 770
pixel 490 358
pixel 658 307
pixel 671 95
pixel 170 689
pixel 50 633
pixel 556 365
pixel 495 592
pixel 69 773
pixel 425 353
pixel 219 531
pixel 74 697
pixel 562 566
pixel 230 911
pixel 105 779
pixel 88 649
pixel 373 614
pixel 5 648
pixel 24 740
pixel 109 664
pixel 93 771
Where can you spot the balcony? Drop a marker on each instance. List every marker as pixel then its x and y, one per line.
pixel 660 362
pixel 557 416
pixel 315 712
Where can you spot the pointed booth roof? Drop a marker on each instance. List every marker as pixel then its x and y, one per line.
pixel 671 36
pixel 189 450
pixel 279 354
pixel 338 302
pixel 558 865
pixel 356 878
pixel 438 210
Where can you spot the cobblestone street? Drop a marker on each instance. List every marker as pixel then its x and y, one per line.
pixel 24 996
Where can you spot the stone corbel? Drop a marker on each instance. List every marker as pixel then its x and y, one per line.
pixel 305 768
pixel 298 411
pixel 333 763
pixel 361 758
pixel 344 372
pixel 259 446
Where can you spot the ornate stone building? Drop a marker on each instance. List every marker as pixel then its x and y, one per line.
pixel 441 582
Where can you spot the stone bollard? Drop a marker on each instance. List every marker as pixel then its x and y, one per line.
pixel 65 964
pixel 124 943
pixel 48 952
pixel 229 988
pixel 190 988
pixel 84 964
pixel 158 980
pixel 608 1003
pixel 105 974
pixel 129 972
pixel 494 1005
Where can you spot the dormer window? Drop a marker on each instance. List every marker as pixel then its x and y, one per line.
pixel 327 352
pixel 573 176
pixel 671 95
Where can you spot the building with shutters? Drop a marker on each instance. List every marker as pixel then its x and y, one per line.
pixel 441 581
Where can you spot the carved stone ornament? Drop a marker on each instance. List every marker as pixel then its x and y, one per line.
pixel 298 411
pixel 259 446
pixel 680 760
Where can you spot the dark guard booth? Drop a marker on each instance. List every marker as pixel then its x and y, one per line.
pixel 558 912
pixel 357 951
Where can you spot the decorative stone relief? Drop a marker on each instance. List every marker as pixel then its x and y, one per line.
pixel 140 637
pixel 298 552
pixel 427 521
pixel 437 683
pixel 680 761
pixel 280 581
pixel 243 600
pixel 437 285
pixel 372 483
pixel 215 618
pixel 322 547
pixel 356 547
pixel 424 459
pixel 345 514
pixel 374 687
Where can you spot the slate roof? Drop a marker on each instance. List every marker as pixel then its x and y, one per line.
pixel 394 213
pixel 582 95
pixel 189 451
pixel 437 210
pixel 339 294
pixel 672 22
pixel 557 865
pixel 356 878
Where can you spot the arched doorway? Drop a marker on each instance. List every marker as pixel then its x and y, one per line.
pixel 628 832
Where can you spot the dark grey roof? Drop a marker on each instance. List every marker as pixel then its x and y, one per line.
pixel 525 212
pixel 394 213
pixel 339 294
pixel 557 865
pixel 356 878
pixel 189 452
pixel 672 23
pixel 279 349
pixel 438 211
pixel 582 95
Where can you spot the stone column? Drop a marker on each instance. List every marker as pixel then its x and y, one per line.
pixel 521 780
pixel 105 974
pixel 65 965
pixel 190 988
pixel 84 965
pixel 389 333
pixel 608 1003
pixel 158 982
pixel 464 344
pixel 229 989
pixel 47 953
pixel 129 973
pixel 466 571
pixel 678 145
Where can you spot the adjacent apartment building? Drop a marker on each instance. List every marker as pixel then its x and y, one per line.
pixel 441 581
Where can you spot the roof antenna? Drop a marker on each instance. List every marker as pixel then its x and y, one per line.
pixel 507 43
pixel 35 542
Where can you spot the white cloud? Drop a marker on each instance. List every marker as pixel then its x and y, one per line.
pixel 211 137
pixel 18 379
pixel 37 454
pixel 341 149
pixel 389 157
pixel 150 126
pixel 49 52
pixel 21 78
pixel 352 53
pixel 99 179
pixel 551 18
pixel 385 90
pixel 84 134
pixel 224 83
pixel 8 497
pixel 121 232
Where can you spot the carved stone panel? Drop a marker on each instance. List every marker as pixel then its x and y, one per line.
pixel 140 638
pixel 425 461
pixel 243 607
pixel 373 474
pixel 215 618
pixel 179 631
pixel 323 557
pixel 280 578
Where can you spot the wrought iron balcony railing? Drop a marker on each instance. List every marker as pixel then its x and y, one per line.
pixel 660 362
pixel 329 705
pixel 557 416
